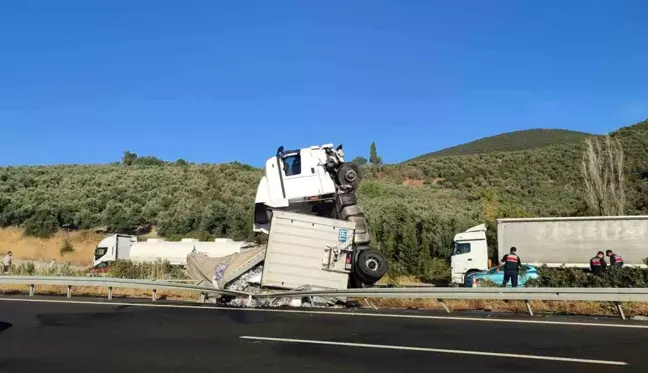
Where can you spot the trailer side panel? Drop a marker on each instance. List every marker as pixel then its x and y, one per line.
pixel 573 241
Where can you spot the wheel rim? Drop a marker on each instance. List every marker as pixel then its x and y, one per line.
pixel 351 176
pixel 372 264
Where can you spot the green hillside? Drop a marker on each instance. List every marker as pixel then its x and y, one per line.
pixel 414 209
pixel 512 141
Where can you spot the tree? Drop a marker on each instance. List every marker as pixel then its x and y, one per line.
pixel 129 158
pixel 374 159
pixel 602 170
pixel 360 161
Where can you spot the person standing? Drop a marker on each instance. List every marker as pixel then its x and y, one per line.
pixel 6 262
pixel 615 260
pixel 512 264
pixel 598 264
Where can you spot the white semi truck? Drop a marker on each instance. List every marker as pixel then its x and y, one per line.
pixel 126 247
pixel 556 242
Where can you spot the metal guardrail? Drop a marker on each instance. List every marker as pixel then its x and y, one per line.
pixel 110 283
pixel 615 295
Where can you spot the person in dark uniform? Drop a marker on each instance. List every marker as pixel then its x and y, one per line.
pixel 615 260
pixel 598 264
pixel 512 264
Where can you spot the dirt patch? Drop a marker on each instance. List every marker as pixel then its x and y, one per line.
pixel 413 182
pixel 38 249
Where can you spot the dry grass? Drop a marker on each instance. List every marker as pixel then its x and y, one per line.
pixel 413 182
pixel 31 248
pixel 551 307
pixel 101 292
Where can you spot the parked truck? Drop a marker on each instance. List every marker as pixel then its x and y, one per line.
pixel 555 242
pixel 127 247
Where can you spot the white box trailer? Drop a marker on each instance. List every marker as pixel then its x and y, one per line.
pixel 308 250
pixel 302 250
pixel 573 241
pixel 555 242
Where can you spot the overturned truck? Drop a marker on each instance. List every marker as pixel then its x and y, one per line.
pixel 318 236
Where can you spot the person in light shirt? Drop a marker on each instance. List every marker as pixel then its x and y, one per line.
pixel 6 262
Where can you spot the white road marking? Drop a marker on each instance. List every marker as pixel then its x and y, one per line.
pixel 337 313
pixel 438 350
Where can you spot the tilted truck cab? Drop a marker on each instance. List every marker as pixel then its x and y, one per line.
pixel 317 181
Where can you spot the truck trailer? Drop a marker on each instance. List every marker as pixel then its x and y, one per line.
pixel 555 242
pixel 127 247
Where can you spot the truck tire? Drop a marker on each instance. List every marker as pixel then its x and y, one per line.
pixel 349 174
pixel 370 266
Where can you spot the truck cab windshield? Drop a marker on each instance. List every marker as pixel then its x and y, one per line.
pixel 99 252
pixel 461 248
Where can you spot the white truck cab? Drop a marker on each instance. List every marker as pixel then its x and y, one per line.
pixel 111 248
pixel 470 253
pixel 295 180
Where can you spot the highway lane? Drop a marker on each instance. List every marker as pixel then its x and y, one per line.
pixel 70 337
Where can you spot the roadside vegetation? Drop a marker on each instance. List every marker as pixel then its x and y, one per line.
pixel 414 208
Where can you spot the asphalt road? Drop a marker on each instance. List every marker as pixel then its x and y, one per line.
pixel 71 337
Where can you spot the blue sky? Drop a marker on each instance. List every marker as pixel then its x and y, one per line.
pixel 216 81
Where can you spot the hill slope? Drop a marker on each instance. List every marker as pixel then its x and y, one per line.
pixel 414 209
pixel 512 141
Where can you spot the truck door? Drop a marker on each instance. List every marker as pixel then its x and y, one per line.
pixel 300 175
pixel 461 261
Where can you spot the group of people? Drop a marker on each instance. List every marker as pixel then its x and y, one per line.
pixel 512 263
pixel 598 265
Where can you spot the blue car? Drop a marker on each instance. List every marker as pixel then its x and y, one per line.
pixel 497 277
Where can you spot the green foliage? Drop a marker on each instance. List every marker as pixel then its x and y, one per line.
pixel 42 224
pixel 512 141
pixel 414 209
pixel 151 270
pixel 574 277
pixel 374 159
pixel 361 161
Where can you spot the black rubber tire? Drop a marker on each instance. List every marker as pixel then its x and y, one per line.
pixel 346 171
pixel 370 266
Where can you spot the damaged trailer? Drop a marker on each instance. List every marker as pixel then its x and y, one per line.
pixel 303 252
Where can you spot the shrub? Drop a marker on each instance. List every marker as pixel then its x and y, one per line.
pixel 67 247
pixel 43 224
pixel 626 277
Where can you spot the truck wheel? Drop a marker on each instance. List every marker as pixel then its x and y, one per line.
pixel 349 174
pixel 371 266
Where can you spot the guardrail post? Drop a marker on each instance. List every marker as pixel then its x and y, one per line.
pixel 69 291
pixel 154 296
pixel 202 297
pixel 528 304
pixel 249 301
pixel 620 309
pixel 110 293
pixel 32 290
pixel 445 306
